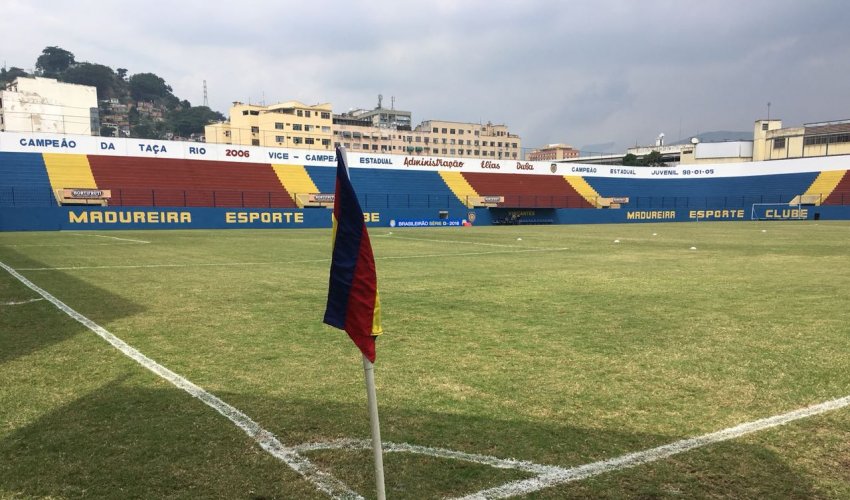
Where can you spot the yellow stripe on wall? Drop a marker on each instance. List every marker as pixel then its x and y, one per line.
pixel 583 188
pixel 296 180
pixel 68 171
pixel 824 184
pixel 459 186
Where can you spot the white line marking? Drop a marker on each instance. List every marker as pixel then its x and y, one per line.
pixel 499 463
pixel 526 486
pixel 21 302
pixel 67 245
pixel 548 475
pixel 323 481
pixel 396 237
pixel 306 261
pixel 111 237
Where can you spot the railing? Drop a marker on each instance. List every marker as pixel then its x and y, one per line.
pixel 132 197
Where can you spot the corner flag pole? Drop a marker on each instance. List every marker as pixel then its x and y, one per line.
pixel 368 368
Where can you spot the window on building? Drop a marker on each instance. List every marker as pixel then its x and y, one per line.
pixel 244 112
pixel 460 131
pixel 255 142
pixel 451 141
pixel 444 131
pixel 255 130
pixel 297 140
pixel 278 139
pixel 451 131
pixel 326 115
pixel 374 147
pixel 326 129
pixel 779 143
pixel 309 140
pixel 254 113
pixel 296 126
pixel 365 146
pixel 306 114
pixel 278 126
pixel 327 142
pixel 227 133
pixel 445 151
pixel 308 128
pixel 764 126
pixel 435 130
pixel 299 112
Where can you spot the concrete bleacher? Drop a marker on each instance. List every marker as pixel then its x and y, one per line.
pixel 177 182
pixel 841 194
pixel 724 192
pixel 527 190
pixel 24 181
pixel 381 188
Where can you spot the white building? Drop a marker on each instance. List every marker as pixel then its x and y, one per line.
pixel 46 105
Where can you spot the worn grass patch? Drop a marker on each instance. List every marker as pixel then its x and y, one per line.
pixel 559 348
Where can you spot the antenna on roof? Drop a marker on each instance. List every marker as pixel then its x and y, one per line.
pixel 392 101
pixel 206 101
pixel 380 100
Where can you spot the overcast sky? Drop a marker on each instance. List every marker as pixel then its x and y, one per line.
pixel 580 72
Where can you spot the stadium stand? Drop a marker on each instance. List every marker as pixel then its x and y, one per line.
pixel 526 190
pixel 840 195
pixel 24 181
pixel 379 188
pixel 725 192
pixel 192 183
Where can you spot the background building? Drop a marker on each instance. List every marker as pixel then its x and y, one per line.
pixel 296 125
pixel 553 152
pixel 47 105
pixel 470 139
pixel 290 124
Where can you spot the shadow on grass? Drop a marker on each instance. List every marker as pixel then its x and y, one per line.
pixel 30 327
pixel 126 441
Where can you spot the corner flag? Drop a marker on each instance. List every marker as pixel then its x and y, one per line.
pixel 353 303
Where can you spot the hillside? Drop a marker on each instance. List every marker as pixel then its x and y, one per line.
pixel 139 105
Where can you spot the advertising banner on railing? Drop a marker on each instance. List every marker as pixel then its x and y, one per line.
pixel 145 148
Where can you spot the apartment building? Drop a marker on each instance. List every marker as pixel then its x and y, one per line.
pixel 290 124
pixel 46 105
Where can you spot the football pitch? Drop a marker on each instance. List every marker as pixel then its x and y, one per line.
pixel 529 361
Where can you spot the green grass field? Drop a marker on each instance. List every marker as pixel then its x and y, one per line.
pixel 548 344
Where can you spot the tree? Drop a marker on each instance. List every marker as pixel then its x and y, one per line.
pixel 149 87
pixel 653 159
pixel 53 61
pixel 187 121
pixel 630 160
pixel 122 73
pixel 10 75
pixel 97 75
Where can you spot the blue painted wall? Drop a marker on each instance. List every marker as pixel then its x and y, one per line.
pixel 100 218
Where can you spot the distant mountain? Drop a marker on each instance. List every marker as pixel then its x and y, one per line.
pixel 719 136
pixel 597 149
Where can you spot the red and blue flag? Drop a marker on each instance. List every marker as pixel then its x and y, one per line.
pixel 353 302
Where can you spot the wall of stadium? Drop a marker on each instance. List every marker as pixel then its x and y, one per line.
pixel 729 189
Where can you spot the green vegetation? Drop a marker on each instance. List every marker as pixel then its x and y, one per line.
pixel 164 116
pixel 559 348
pixel 651 159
